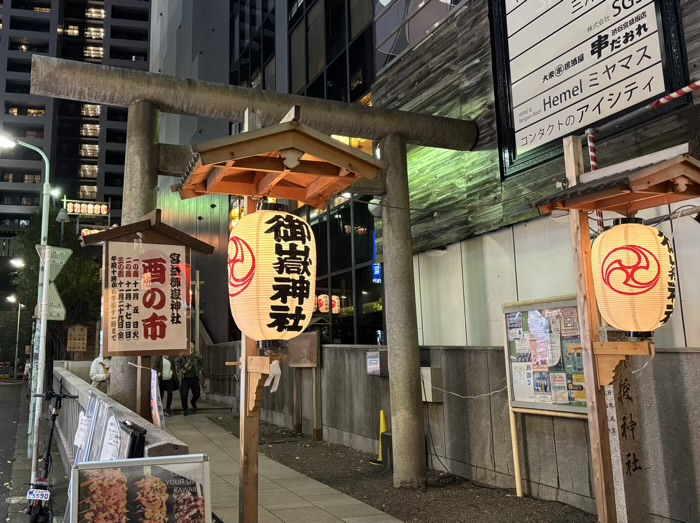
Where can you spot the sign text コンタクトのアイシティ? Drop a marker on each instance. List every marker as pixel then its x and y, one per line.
pixel 573 63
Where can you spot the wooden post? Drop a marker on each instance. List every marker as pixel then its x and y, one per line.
pixel 249 420
pixel 589 325
pixel 249 440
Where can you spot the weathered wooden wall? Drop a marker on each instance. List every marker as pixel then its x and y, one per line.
pixel 459 195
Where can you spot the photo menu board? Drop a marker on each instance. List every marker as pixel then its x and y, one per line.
pixel 546 370
pixel 165 489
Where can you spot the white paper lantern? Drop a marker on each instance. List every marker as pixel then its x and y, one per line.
pixel 634 276
pixel 323 303
pixel 272 275
pixel 335 304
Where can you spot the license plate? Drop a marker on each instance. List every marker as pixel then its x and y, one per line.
pixel 38 495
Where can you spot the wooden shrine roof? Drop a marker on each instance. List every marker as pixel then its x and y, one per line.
pixel 152 223
pixel 289 161
pixel 631 190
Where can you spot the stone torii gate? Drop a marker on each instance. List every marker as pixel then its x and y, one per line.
pixel 145 94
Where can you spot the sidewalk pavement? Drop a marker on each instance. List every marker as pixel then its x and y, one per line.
pixel 284 494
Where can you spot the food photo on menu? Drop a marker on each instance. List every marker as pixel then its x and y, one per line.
pixel 150 494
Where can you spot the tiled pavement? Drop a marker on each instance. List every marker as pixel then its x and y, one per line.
pixel 284 494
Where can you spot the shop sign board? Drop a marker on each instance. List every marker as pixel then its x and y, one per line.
pixel 576 62
pixel 77 338
pixel 563 66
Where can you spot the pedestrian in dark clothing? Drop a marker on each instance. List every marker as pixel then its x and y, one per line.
pixel 167 380
pixel 189 368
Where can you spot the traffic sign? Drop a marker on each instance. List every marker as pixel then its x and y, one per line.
pixel 58 256
pixel 55 310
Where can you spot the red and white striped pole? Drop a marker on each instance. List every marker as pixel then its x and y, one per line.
pixel 675 95
pixel 593 155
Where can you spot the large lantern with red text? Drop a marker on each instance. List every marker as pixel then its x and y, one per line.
pixel 272 275
pixel 634 276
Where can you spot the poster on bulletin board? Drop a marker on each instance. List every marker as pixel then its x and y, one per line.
pixel 545 368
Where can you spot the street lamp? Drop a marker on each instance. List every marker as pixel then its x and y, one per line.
pixel 14 299
pixel 55 193
pixel 62 218
pixel 17 263
pixel 42 298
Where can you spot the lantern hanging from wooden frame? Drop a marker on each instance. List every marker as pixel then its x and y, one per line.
pixel 272 275
pixel 634 277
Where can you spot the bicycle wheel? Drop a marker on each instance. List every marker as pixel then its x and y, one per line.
pixel 43 515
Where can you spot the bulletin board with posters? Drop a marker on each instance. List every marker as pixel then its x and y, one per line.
pixel 545 371
pixel 169 488
pixel 146 306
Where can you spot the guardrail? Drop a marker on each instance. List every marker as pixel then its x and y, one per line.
pixel 158 441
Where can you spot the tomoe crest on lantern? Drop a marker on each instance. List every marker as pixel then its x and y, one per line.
pixel 634 277
pixel 272 275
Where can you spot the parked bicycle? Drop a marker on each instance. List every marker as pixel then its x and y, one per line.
pixel 39 501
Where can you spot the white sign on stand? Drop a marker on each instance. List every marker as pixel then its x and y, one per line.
pixel 577 62
pixel 111 441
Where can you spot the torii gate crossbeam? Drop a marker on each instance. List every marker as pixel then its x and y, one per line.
pixel 103 84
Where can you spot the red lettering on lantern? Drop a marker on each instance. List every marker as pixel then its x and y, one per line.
pixel 241 261
pixel 640 277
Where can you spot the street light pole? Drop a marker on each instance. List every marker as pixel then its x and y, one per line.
pixel 42 299
pixel 14 299
pixel 19 315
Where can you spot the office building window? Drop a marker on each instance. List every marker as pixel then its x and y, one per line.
pixel 324 43
pixel 89 150
pixel 360 16
pixel 253 44
pixel 91 110
pixel 88 171
pixel 346 269
pixel 298 58
pixel 270 75
pixel 92 51
pixel 401 24
pixel 95 13
pixel 90 129
pixel 87 192
pixel 316 40
pixel 96 33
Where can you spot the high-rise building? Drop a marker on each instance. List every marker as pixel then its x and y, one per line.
pixel 85 142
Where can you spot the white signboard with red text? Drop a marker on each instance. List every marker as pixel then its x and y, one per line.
pixel 145 299
pixel 576 62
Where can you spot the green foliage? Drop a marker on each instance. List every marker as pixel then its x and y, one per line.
pixel 8 334
pixel 78 283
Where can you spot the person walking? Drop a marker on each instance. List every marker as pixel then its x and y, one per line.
pixel 167 380
pixel 100 374
pixel 189 368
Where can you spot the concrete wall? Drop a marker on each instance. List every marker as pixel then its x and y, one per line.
pixel 531 260
pixel 470 436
